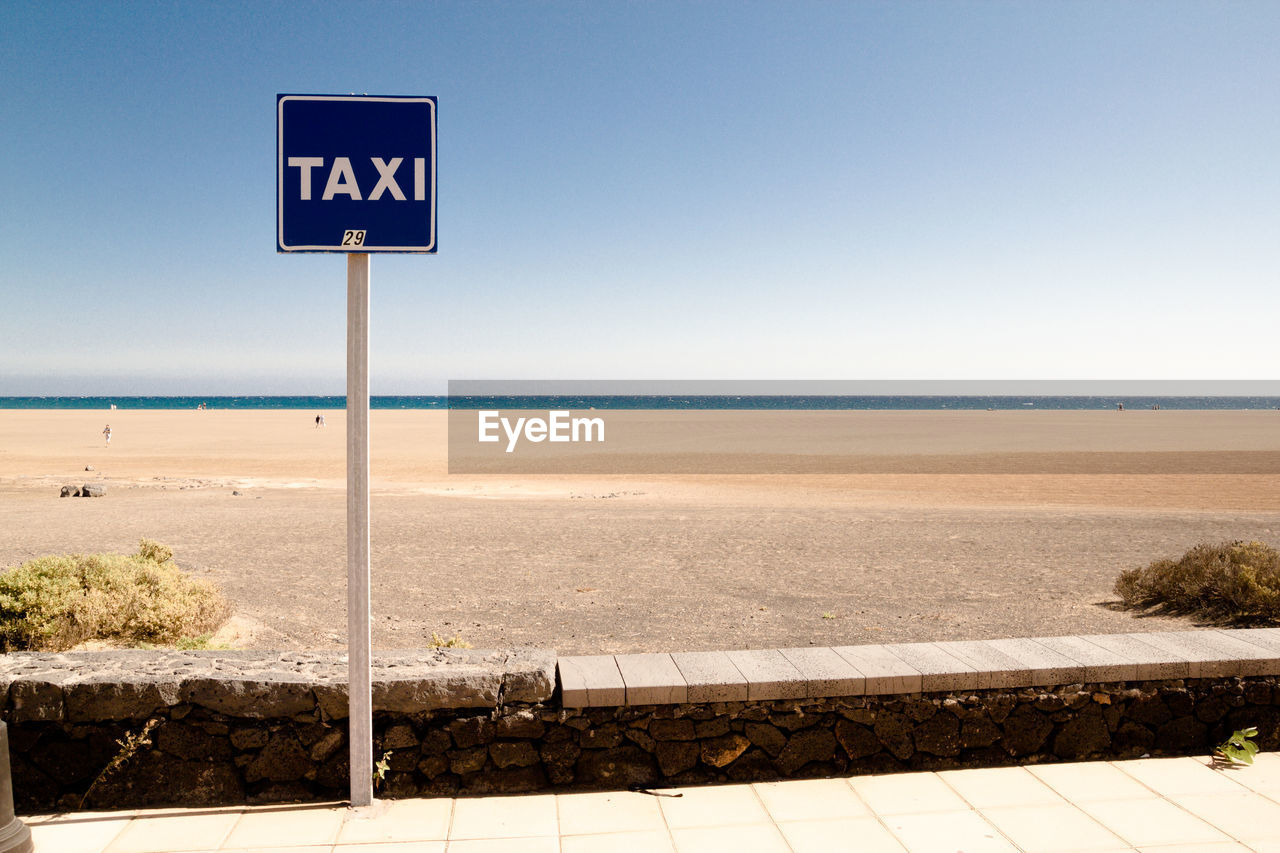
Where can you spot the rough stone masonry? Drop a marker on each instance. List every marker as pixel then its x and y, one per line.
pixel 133 728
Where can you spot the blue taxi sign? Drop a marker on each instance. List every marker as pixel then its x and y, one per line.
pixel 355 173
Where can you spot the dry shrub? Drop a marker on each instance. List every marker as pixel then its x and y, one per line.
pixel 454 642
pixel 1233 581
pixel 53 603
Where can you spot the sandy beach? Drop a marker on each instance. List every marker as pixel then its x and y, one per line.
pixel 953 525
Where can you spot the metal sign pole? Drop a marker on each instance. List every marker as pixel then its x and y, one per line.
pixel 359 670
pixel 356 174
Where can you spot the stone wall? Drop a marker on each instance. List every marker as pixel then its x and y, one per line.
pixel 117 729
pixel 112 730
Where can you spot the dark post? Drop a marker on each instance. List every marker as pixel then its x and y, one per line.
pixel 14 835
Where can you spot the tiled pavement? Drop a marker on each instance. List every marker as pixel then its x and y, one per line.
pixel 1156 804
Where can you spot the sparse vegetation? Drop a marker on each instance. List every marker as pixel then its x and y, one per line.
pixel 454 642
pixel 380 769
pixel 202 642
pixel 53 603
pixel 1237 582
pixel 129 746
pixel 1239 748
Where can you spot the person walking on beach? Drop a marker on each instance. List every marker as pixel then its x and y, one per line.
pixel 317 422
pixel 106 433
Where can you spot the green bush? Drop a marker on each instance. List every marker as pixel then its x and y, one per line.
pixel 1234 581
pixel 53 603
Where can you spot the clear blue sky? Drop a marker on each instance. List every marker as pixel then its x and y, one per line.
pixel 834 190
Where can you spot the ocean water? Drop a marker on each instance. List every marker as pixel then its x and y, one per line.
pixel 650 401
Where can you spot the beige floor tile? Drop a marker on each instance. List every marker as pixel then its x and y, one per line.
pixel 811 799
pixel 1044 829
pixel 863 834
pixel 1267 759
pixel 82 832
pixel 340 805
pixel 1151 822
pixel 282 825
pixel 176 830
pixel 1171 776
pixel 1000 786
pixel 904 793
pixel 400 820
pixel 539 844
pixel 741 838
pixel 712 805
pixel 1084 781
pixel 653 841
pixel 1262 776
pixel 609 812
pixel 947 831
pixel 79 817
pixel 276 848
pixel 35 819
pixel 1246 816
pixel 505 817
pixel 1225 847
pixel 389 847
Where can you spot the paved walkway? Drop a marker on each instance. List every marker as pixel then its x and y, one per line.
pixel 1157 804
